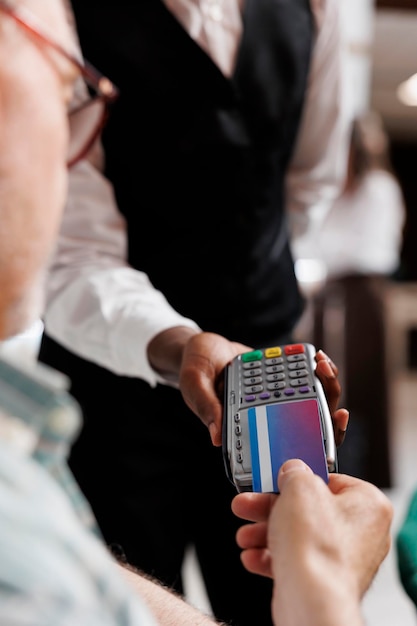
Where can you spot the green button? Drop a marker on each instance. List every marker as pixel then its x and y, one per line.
pixel 255 355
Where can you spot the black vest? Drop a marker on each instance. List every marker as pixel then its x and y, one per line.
pixel 198 161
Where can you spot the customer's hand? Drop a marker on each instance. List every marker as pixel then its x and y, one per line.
pixel 339 531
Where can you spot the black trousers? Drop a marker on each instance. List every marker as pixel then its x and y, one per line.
pixel 157 485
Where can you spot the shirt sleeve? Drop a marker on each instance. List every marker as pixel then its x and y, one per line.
pixel 318 166
pixel 97 305
pixel 66 575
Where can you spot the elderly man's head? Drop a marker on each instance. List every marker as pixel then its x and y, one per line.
pixel 35 85
pixel 38 68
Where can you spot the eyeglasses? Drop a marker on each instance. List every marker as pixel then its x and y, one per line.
pixel 86 120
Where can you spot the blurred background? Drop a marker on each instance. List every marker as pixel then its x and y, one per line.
pixel 380 54
pixel 389 61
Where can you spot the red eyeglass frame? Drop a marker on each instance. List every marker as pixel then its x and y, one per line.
pixel 106 91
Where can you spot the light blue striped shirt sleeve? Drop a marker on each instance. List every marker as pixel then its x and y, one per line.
pixel 54 572
pixel 54 567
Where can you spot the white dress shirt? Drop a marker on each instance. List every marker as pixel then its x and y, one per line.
pixel 216 25
pixel 107 312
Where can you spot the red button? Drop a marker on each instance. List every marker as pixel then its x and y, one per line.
pixel 295 348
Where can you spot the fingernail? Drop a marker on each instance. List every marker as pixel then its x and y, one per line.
pixel 342 433
pixel 327 370
pixel 346 424
pixel 294 465
pixel 213 431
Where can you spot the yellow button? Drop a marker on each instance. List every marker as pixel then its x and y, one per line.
pixel 271 353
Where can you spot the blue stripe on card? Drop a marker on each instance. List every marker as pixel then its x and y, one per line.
pixel 262 476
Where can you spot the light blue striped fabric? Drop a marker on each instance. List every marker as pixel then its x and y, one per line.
pixel 54 569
